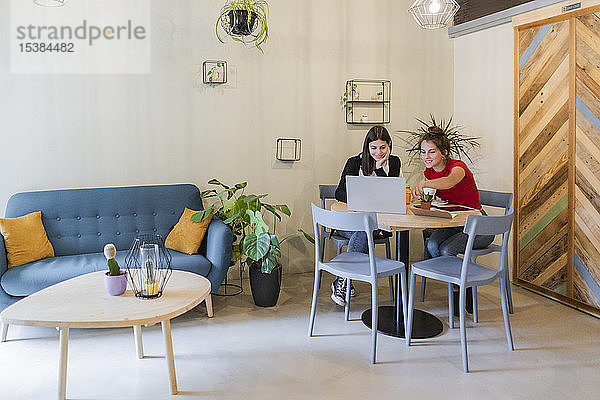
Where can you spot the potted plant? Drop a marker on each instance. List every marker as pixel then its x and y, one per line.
pixel 115 280
pixel 426 200
pixel 262 251
pixel 245 21
pixel 253 244
pixel 460 144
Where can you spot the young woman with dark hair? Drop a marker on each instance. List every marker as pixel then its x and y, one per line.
pixel 455 183
pixel 374 160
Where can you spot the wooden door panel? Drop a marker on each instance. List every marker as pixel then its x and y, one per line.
pixel 543 156
pixel 586 271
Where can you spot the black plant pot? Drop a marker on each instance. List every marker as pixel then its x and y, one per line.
pixel 265 287
pixel 238 21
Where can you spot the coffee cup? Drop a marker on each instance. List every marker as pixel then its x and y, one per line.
pixel 429 191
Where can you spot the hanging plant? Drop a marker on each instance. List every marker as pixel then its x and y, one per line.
pixel 350 94
pixel 460 144
pixel 245 21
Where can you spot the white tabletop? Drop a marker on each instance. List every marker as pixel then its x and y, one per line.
pixel 82 302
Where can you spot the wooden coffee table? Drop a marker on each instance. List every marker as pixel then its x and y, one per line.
pixel 82 302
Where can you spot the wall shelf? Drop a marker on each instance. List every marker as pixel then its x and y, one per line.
pixel 368 101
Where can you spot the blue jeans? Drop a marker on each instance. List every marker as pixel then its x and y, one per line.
pixel 452 241
pixel 358 240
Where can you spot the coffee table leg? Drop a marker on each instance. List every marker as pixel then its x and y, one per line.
pixel 139 345
pixel 209 309
pixel 166 328
pixel 4 331
pixel 62 365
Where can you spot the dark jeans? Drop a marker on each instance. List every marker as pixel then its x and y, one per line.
pixel 358 240
pixel 452 241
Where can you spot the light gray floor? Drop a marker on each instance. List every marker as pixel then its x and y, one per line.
pixel 246 352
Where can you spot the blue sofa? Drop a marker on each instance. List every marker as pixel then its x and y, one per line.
pixel 79 222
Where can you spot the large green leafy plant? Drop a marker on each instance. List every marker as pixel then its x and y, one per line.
pixel 260 245
pixel 245 21
pixel 460 144
pixel 253 241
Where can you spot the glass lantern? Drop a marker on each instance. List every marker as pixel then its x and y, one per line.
pixel 148 266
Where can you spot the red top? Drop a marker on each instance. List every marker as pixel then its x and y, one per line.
pixel 464 192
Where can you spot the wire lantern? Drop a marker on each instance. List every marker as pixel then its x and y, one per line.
pixel 433 14
pixel 148 266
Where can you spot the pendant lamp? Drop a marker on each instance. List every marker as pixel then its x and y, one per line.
pixel 50 3
pixel 433 14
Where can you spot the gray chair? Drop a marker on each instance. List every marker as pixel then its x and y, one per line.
pixel 354 266
pixel 491 199
pixel 327 192
pixel 466 273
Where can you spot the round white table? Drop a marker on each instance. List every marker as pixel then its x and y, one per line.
pixel 82 302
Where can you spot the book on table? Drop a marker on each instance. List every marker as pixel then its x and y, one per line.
pixel 432 212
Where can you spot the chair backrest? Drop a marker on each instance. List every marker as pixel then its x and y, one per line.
pixel 326 192
pixel 347 221
pixel 487 225
pixel 496 199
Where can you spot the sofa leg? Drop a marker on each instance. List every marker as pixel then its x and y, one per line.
pixel 3 332
pixel 209 308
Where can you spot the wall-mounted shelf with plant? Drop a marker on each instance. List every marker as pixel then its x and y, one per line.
pixel 244 21
pixel 367 101
pixel 214 72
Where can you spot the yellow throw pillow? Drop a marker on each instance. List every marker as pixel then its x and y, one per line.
pixel 25 239
pixel 186 236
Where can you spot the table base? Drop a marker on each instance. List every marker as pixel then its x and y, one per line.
pixel 425 325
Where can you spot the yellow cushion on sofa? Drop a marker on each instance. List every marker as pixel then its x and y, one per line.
pixel 25 239
pixel 186 236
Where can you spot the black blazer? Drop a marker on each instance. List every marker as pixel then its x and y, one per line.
pixel 353 166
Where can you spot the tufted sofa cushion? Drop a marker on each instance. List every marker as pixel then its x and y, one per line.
pixel 82 221
pixel 30 278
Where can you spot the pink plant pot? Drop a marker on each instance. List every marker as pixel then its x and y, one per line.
pixel 115 285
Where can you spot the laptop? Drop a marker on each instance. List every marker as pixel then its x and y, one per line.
pixel 376 193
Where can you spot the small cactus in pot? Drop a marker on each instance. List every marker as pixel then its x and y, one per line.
pixel 110 251
pixel 115 280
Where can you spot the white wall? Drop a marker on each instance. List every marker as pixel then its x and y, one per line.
pixel 60 131
pixel 483 101
pixel 483 104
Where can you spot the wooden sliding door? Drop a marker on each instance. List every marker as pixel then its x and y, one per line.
pixel 557 155
pixel 543 156
pixel 586 271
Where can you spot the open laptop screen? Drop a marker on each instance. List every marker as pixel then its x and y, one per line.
pixel 378 194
